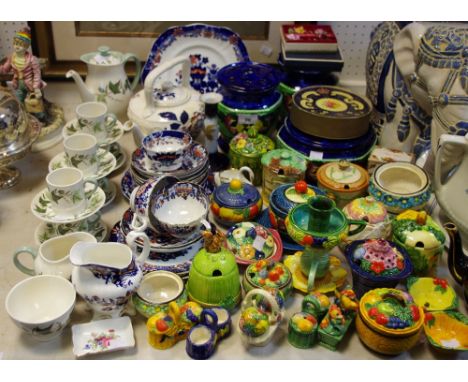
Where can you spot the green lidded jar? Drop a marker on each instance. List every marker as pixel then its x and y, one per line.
pixel 214 276
pixel 246 149
pixel 281 166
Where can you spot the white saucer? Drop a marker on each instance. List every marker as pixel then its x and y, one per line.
pixel 110 189
pixel 102 336
pixel 47 141
pixel 40 206
pixel 120 155
pixel 106 163
pixel 114 131
pixel 46 231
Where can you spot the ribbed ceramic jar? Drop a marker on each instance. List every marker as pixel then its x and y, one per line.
pixel 280 167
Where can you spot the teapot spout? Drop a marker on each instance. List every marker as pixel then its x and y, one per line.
pixel 85 93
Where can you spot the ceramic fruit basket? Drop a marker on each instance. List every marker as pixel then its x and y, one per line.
pixel 235 202
pixel 284 198
pixel 279 167
pixel 422 238
pixel 302 330
pixel 247 148
pixel 400 186
pixel 214 275
pixel 432 294
pixel 250 242
pixel 377 263
pixel 250 98
pixel 389 322
pixel 330 112
pixel 316 303
pixel 447 331
pixel 344 180
pixel 268 275
pixel 378 220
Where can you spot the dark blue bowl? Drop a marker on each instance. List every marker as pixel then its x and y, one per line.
pixel 330 148
pixel 364 281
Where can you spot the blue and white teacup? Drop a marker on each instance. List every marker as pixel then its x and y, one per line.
pixel 166 149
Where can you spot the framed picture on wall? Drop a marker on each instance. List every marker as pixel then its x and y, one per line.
pixel 63 42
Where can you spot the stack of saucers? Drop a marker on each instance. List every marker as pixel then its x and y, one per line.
pixel 194 168
pixel 167 253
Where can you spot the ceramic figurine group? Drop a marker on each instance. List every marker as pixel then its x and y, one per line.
pixel 178 252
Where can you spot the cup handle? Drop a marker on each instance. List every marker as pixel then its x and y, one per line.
pixel 209 318
pixel 112 117
pixel 361 224
pixel 206 225
pixel 138 223
pixel 18 263
pixel 128 126
pixel 132 57
pixel 94 182
pixel 131 238
pixel 249 172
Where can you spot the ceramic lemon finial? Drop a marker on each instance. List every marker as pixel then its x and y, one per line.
pixel 235 186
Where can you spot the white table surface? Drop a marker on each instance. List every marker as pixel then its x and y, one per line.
pixel 17 225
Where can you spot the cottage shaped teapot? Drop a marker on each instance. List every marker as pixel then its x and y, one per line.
pixel 106 80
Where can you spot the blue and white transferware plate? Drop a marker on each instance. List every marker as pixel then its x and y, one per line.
pixel 41 206
pixel 208 47
pixel 106 163
pixel 157 240
pixel 177 262
pixel 195 158
pixel 114 131
pixel 127 184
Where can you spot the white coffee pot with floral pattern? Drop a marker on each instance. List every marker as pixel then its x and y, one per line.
pixel 106 80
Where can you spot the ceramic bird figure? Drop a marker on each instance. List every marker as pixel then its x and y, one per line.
pixel 213 242
pixel 347 300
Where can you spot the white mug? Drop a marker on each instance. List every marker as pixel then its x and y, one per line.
pixel 67 190
pixel 80 150
pixel 52 257
pixel 93 119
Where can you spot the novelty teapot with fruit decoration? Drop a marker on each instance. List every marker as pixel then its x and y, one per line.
pixel 106 80
pixel 165 105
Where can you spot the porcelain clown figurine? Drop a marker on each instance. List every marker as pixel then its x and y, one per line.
pixel 27 84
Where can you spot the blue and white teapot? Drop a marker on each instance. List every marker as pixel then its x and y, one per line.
pixel 163 106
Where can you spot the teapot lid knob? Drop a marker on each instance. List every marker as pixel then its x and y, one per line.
pixel 104 50
pixel 343 164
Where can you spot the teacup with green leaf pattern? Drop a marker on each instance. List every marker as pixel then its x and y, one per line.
pixel 80 151
pixel 67 190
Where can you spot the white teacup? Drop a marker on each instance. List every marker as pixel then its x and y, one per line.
pixel 93 119
pixel 67 190
pixel 80 150
pixel 41 305
pixel 52 257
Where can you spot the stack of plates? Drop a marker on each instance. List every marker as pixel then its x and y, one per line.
pixel 195 169
pixel 166 253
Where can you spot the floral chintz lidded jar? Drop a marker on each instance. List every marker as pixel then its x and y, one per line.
pixel 247 148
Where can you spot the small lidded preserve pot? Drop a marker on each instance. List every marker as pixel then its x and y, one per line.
pixel 266 274
pixel 279 167
pixel 422 238
pixel 378 226
pixel 235 202
pixel 345 180
pixel 247 148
